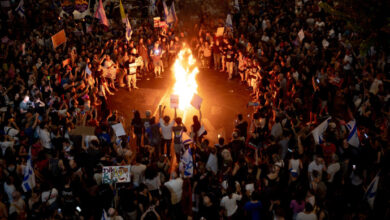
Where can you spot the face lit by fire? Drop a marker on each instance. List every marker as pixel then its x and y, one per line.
pixel 185 72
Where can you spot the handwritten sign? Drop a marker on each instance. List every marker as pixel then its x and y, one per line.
pixel 116 174
pixel 118 129
pixel 174 101
pixel 196 101
pixel 156 22
pixel 58 39
pixel 220 31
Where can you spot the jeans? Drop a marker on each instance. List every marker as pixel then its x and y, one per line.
pixel 167 143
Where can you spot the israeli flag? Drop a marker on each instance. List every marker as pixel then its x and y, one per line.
pixel 186 139
pixel 228 22
pixel 20 9
pixel 319 131
pixel 352 138
pixel 104 215
pixel 371 191
pixel 29 177
pixel 236 5
pixel 170 13
pixel 187 163
pixel 166 11
pixel 129 31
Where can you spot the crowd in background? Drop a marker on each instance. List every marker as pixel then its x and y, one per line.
pixel 271 167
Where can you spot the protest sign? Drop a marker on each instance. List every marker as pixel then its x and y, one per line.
pixel 220 31
pixel 156 22
pixel 174 101
pixel 65 62
pixel 116 174
pixel 196 101
pixel 118 129
pixel 58 39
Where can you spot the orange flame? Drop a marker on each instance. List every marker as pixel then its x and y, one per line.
pixel 185 72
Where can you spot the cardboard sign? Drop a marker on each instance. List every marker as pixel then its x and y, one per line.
pixel 58 38
pixel 109 72
pixel 66 62
pixel 196 101
pixel 118 129
pixel 116 174
pixel 220 31
pixel 156 22
pixel 174 101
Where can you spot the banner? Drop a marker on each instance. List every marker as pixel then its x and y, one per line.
pixel 58 39
pixel 116 174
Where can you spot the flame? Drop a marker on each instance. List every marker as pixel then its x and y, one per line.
pixel 185 72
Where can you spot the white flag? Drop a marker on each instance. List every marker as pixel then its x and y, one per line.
pixel 352 138
pixel 29 177
pixel 319 131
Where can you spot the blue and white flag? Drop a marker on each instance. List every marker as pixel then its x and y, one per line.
pixel 319 131
pixel 104 215
pixel 228 22
pixel 371 191
pixel 236 5
pixel 170 13
pixel 186 139
pixel 166 11
pixel 29 177
pixel 129 31
pixel 187 163
pixel 352 138
pixel 20 9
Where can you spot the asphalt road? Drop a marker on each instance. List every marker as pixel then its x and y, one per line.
pixel 223 99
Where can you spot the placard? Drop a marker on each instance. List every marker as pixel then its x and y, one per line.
pixel 174 101
pixel 196 101
pixel 118 129
pixel 109 72
pixel 58 39
pixel 156 22
pixel 116 174
pixel 220 31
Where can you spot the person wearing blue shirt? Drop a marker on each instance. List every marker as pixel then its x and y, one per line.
pixel 253 207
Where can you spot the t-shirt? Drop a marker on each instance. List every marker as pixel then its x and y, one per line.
pixel 53 193
pixel 230 204
pixel 253 209
pixel 230 55
pixel 314 166
pixel 332 170
pixel 175 186
pixel 304 216
pixel 166 130
pixel 138 173
pixel 177 132
pixel 6 144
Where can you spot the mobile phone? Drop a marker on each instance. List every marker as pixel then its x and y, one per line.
pixel 59 210
pixel 365 135
pixel 354 167
pixel 78 208
pixel 317 80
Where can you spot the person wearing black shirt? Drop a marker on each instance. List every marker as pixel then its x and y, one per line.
pixel 230 56
pixel 242 126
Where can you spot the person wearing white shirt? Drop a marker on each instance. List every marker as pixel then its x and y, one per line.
pixel 333 168
pixel 44 136
pixel 229 202
pixel 175 187
pixel 317 164
pixel 166 126
pixel 138 172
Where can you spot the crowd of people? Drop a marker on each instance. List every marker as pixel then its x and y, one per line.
pixel 272 167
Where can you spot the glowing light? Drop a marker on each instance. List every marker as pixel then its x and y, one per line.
pixel 185 72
